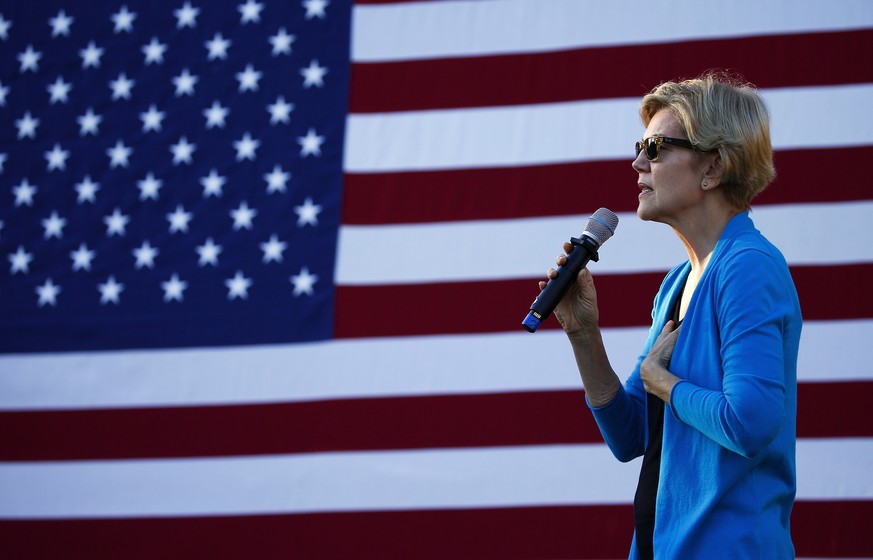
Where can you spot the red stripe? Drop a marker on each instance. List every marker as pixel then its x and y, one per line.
pixel 478 307
pixel 342 425
pixel 569 75
pixel 625 300
pixel 504 419
pixel 832 529
pixel 574 188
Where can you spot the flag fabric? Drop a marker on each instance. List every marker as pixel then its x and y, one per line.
pixel 265 266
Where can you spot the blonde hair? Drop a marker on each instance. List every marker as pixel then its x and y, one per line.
pixel 718 111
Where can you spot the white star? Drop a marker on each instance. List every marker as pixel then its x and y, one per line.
pixel 110 291
pixel 116 223
pixel 27 126
pixel 251 11
pixel 184 83
pixel 248 79
pixel 212 184
pixel 154 51
pixel 82 257
pixel 87 190
pixel 89 123
pixel 310 144
pixel 307 213
pixel 48 293
pixel 238 286
pixel 4 91
pixel 61 24
pixel 215 115
pixel 276 179
pixel 123 20
pixel 54 226
pixel 119 155
pixel 29 60
pixel 179 220
pixel 173 288
pixel 121 87
pixel 5 24
pixel 243 216
pixel 273 249
pixel 280 111
pixel 182 151
pixel 315 8
pixel 186 16
pixel 59 91
pixel 304 282
pixel 91 55
pixel 3 157
pixel 145 255
pixel 208 252
pixel 152 119
pixel 246 147
pixel 149 187
pixel 217 47
pixel 24 192
pixel 57 158
pixel 20 261
pixel 313 75
pixel 282 42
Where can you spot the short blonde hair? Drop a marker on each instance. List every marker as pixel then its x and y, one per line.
pixel 718 111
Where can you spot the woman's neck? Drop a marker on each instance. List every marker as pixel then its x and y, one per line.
pixel 700 234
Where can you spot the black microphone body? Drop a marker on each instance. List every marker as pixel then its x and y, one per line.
pixel 600 227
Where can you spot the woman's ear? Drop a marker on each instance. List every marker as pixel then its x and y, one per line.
pixel 712 171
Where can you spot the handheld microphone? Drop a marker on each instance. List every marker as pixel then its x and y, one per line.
pixel 601 226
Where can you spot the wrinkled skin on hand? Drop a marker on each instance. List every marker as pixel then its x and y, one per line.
pixel 654 371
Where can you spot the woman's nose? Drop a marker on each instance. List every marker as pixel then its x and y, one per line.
pixel 641 164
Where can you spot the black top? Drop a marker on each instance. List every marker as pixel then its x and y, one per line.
pixel 647 487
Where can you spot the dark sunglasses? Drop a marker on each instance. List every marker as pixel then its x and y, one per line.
pixel 652 145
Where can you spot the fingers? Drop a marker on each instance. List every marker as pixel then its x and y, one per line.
pixel 560 260
pixel 667 338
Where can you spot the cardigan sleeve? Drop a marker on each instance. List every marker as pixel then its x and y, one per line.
pixel 754 299
pixel 622 421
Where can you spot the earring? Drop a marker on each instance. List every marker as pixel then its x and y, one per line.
pixel 705 184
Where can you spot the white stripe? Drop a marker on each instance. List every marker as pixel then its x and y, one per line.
pixel 826 116
pixel 447 29
pixel 850 476
pixel 492 136
pixel 829 352
pixel 829 233
pixel 365 481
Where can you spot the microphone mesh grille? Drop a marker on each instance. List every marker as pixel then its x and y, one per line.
pixel 601 225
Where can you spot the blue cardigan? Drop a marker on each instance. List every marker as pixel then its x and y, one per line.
pixel 727 480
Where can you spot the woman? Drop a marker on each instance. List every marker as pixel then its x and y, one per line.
pixel 711 403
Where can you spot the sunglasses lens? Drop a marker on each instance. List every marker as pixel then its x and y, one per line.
pixel 651 149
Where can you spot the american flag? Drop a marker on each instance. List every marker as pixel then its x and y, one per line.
pixel 266 264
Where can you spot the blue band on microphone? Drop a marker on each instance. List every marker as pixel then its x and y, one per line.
pixel 530 322
pixel 606 225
